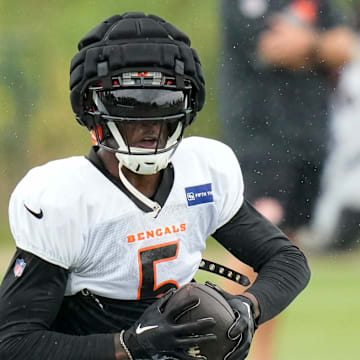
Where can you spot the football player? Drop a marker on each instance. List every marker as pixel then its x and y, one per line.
pixel 102 240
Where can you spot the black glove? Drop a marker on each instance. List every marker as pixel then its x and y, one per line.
pixel 243 329
pixel 157 333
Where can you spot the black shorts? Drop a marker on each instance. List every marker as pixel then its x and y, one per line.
pixel 293 182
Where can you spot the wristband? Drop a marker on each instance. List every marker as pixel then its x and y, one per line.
pixel 122 342
pixel 249 302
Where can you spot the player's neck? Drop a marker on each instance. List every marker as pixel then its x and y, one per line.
pixel 146 184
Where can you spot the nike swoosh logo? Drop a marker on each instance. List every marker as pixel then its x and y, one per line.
pixel 38 215
pixel 140 330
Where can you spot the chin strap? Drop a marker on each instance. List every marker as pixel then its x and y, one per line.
pixel 145 200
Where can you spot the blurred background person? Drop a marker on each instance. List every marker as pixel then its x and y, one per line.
pixel 336 220
pixel 280 60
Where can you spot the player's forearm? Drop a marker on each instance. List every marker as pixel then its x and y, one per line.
pixel 48 345
pixel 282 267
pixel 279 281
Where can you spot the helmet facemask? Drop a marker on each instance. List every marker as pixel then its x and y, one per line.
pixel 145 124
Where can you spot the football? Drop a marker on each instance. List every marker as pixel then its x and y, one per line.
pixel 212 304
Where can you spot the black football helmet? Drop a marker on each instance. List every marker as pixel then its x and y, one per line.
pixel 136 67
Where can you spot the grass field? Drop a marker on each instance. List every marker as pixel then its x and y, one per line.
pixel 322 323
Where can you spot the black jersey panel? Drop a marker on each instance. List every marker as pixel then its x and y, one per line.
pixel 87 313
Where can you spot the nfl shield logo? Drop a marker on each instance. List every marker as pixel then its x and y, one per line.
pixel 19 267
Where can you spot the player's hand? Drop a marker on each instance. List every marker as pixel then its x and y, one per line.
pixel 244 326
pixel 157 333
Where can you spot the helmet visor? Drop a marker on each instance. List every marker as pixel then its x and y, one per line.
pixel 145 103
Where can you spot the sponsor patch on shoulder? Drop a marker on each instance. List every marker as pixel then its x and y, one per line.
pixel 199 194
pixel 19 267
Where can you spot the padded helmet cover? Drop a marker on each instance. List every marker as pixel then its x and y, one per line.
pixel 134 42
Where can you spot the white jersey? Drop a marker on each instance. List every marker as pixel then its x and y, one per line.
pixel 69 214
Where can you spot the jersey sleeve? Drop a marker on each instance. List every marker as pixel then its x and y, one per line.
pixel 42 218
pixel 219 163
pixel 228 185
